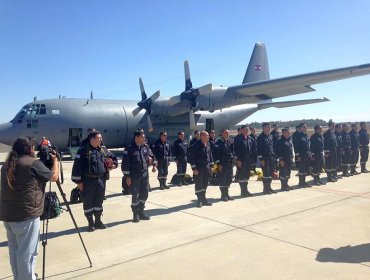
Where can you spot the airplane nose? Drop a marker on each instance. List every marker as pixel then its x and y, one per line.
pixel 5 133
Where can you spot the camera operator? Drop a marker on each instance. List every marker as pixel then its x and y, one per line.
pixel 23 180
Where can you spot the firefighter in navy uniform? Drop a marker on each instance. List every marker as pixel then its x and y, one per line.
pixel 275 133
pixel 90 169
pixel 303 155
pixel 196 137
pixel 179 152
pixel 284 153
pixel 136 159
pixel 242 149
pixel 317 148
pixel 162 152
pixel 253 138
pixel 295 142
pixel 224 160
pixel 340 150
pixel 347 151
pixel 364 146
pixel 266 156
pixel 200 158
pixel 355 146
pixel 330 152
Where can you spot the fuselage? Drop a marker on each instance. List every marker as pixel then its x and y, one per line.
pixel 65 121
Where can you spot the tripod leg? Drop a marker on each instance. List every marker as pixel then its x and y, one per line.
pixel 73 219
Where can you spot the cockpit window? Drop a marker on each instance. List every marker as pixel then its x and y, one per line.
pixel 32 110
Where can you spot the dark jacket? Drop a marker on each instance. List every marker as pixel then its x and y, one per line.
pixel 200 156
pixel 27 199
pixel 363 138
pixel 90 162
pixel 265 146
pixel 303 145
pixel 355 142
pixel 316 144
pixel 136 160
pixel 223 153
pixel 338 137
pixel 330 142
pixel 284 149
pixel 161 150
pixel 180 149
pixel 242 148
pixel 275 138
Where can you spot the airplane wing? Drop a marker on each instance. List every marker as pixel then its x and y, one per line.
pixel 295 84
pixel 285 104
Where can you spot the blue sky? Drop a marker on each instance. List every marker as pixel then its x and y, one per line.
pixel 51 48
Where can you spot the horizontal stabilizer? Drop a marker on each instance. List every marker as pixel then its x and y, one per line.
pixel 285 104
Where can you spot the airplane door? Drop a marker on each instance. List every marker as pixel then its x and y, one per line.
pixel 74 141
pixel 210 125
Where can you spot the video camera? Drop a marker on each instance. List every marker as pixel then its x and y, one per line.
pixel 45 153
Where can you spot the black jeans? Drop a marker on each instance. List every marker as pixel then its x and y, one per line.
pixel 93 194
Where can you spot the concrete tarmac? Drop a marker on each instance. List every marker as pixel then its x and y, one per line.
pixel 311 233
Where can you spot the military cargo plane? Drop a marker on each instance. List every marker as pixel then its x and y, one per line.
pixel 64 121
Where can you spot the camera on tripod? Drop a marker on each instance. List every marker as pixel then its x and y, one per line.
pixel 45 153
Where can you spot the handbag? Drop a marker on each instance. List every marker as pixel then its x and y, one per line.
pixel 52 207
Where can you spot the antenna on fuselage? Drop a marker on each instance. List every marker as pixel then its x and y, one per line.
pixel 91 95
pixel 34 98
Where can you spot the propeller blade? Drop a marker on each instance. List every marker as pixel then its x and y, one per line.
pixel 188 83
pixel 192 120
pixel 136 111
pixel 204 90
pixel 155 96
pixel 149 122
pixel 142 90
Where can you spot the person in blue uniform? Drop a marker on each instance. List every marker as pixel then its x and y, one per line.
pixel 340 150
pixel 200 158
pixel 253 138
pixel 364 146
pixel 242 149
pixel 284 153
pixel 330 151
pixel 162 152
pixel 303 155
pixel 295 142
pixel 224 160
pixel 136 160
pixel 317 148
pixel 355 147
pixel 266 156
pixel 90 170
pixel 179 152
pixel 195 139
pixel 347 150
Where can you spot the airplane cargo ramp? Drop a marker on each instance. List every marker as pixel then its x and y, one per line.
pixel 311 233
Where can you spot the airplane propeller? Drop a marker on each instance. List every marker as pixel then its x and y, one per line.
pixel 190 94
pixel 146 104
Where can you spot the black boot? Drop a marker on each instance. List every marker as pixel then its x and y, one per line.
pixel 265 188
pixel 161 187
pixel 335 179
pixel 199 202
pixel 142 215
pixel 329 177
pixel 345 171
pixel 316 180
pixel 284 186
pixel 165 185
pixel 90 220
pixel 244 190
pixel 204 200
pixel 135 218
pixel 269 187
pixel 302 181
pixel 363 169
pixel 223 194
pixel 227 194
pixel 98 222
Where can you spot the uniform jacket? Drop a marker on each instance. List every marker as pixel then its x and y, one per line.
pixel 265 146
pixel 330 142
pixel 346 140
pixel 295 140
pixel 90 162
pixel 242 148
pixel 200 156
pixel 316 144
pixel 161 150
pixel 179 149
pixel 275 137
pixel 303 145
pixel 355 142
pixel 253 139
pixel 338 137
pixel 136 160
pixel 363 138
pixel 223 152
pixel 284 149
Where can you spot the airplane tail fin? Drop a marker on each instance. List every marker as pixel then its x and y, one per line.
pixel 258 68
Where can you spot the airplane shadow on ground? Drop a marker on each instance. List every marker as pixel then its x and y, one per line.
pixel 347 254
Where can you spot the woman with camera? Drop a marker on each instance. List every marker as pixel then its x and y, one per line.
pixel 23 180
